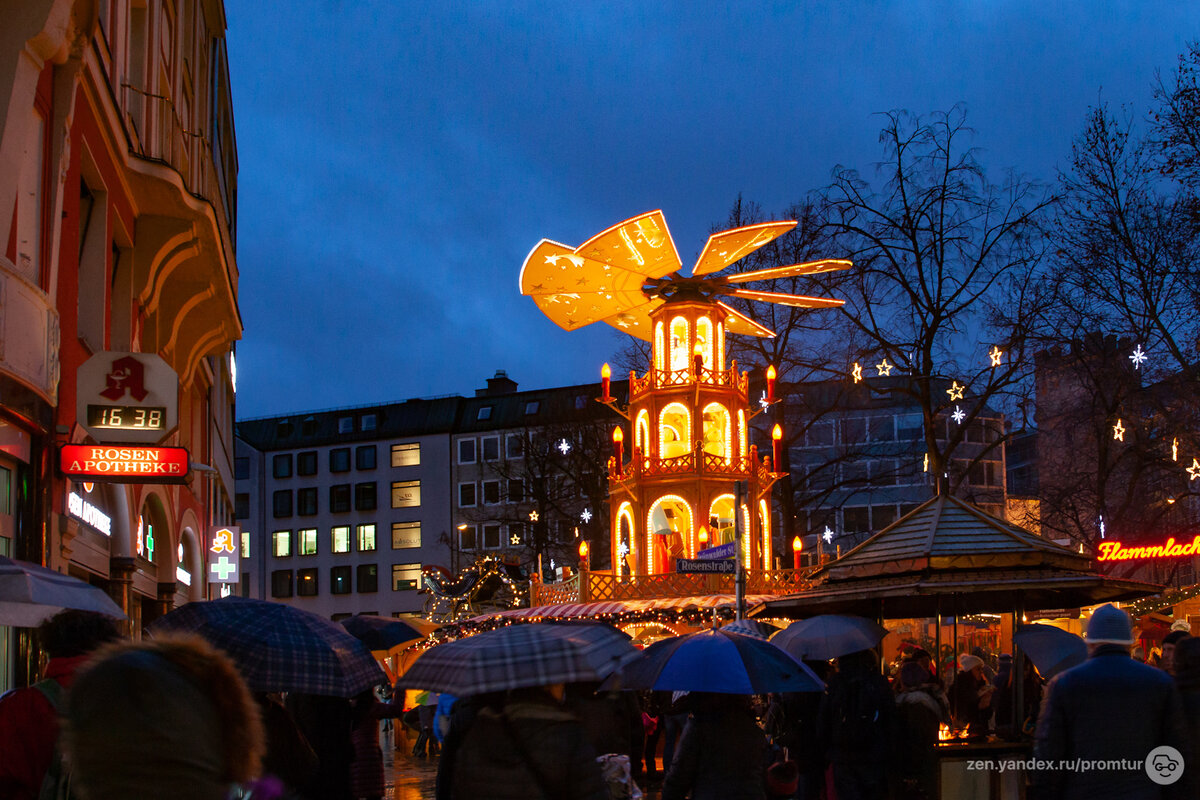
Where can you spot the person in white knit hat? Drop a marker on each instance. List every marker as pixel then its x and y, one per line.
pixel 1111 712
pixel 971 696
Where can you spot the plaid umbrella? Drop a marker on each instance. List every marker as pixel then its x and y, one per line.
pixel 719 662
pixel 30 594
pixel 380 634
pixel 829 636
pixel 750 627
pixel 517 656
pixel 279 648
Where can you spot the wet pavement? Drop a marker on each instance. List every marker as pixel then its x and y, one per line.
pixel 413 778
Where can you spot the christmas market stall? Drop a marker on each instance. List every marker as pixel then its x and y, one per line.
pixel 949 567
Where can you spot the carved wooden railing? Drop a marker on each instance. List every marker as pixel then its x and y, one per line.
pixel 598 586
pixel 670 378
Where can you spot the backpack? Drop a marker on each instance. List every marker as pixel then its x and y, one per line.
pixel 56 785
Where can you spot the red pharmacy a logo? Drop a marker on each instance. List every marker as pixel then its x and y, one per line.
pixel 127 375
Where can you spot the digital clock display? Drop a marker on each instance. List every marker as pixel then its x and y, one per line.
pixel 133 418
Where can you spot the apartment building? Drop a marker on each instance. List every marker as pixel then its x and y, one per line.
pixel 340 510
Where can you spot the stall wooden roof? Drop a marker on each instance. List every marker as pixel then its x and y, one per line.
pixel 948 533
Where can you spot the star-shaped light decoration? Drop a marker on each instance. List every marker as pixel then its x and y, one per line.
pixel 1194 470
pixel 996 354
pixel 563 446
pixel 856 372
pixel 1119 431
pixel 959 415
pixel 514 539
pixel 1175 449
pixel 586 515
pixel 1139 356
pixel 885 369
pixel 956 391
pixel 623 549
pixel 533 516
pixel 762 401
pixel 827 535
pixel 925 468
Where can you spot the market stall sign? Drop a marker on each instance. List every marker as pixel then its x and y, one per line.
pixel 124 464
pixel 1115 551
pixel 705 566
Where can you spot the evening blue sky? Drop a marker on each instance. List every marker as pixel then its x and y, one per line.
pixel 398 160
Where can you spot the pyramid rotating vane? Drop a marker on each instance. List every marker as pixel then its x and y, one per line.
pixel 624 273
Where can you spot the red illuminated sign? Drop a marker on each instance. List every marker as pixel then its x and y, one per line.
pixel 1115 551
pixel 124 464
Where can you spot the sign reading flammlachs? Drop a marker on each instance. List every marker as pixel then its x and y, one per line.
pixel 1115 551
pixel 124 464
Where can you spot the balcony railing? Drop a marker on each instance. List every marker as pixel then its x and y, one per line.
pixel 709 464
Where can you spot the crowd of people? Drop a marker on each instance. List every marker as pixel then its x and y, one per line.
pixel 171 718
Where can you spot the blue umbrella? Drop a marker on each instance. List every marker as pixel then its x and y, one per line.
pixel 380 634
pixel 279 648
pixel 1052 650
pixel 719 662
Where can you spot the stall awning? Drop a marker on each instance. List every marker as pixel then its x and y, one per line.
pixel 605 607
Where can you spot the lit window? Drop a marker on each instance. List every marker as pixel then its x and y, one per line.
pixel 245 545
pixel 406 534
pixel 365 536
pixel 406 494
pixel 340 539
pixel 406 455
pixel 308 541
pixel 281 543
pixel 406 577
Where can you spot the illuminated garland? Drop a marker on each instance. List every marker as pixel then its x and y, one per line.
pixel 485 568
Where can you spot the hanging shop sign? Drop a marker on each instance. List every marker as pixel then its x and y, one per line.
pixel 127 398
pixel 223 561
pixel 1115 551
pixel 82 509
pixel 91 462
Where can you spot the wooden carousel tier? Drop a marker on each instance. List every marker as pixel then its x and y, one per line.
pixel 592 586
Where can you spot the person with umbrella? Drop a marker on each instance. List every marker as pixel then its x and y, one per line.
pixel 29 717
pixel 510 736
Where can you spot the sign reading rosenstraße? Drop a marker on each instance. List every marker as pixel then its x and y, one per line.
pixel 110 463
pixel 693 566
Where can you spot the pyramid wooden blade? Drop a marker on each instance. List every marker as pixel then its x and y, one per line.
pixel 642 244
pixel 725 247
pixel 799 301
pixel 793 271
pixel 636 321
pixel 574 291
pixel 740 323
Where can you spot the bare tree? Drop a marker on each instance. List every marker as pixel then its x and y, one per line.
pixel 949 269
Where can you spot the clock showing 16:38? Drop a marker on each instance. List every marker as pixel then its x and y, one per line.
pixel 131 418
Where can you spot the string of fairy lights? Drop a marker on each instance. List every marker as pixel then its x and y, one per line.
pixel 957 395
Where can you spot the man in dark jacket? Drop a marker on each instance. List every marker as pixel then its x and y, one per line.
pixel 721 754
pixel 858 722
pixel 1110 708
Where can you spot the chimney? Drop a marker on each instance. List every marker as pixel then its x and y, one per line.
pixel 501 384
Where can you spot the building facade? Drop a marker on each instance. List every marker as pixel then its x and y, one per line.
pixel 118 187
pixel 340 510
